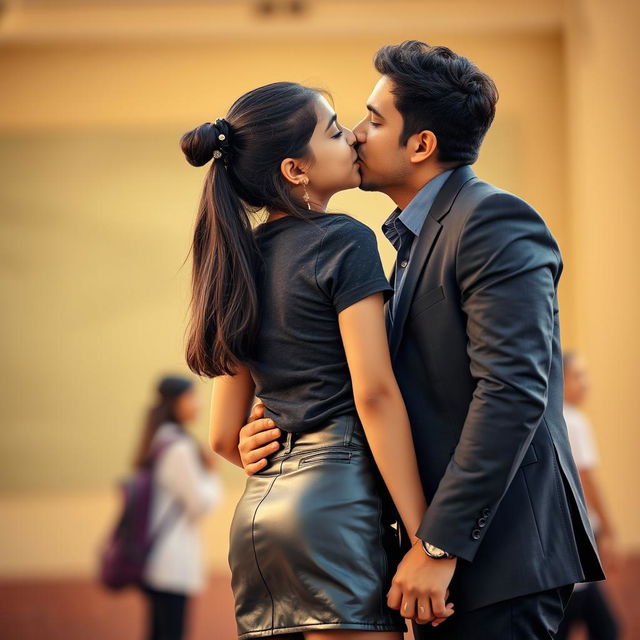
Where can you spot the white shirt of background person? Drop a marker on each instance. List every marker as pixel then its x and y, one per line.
pixel 176 561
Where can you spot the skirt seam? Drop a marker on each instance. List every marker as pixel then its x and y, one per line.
pixel 255 553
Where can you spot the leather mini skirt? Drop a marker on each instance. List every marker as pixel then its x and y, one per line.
pixel 312 545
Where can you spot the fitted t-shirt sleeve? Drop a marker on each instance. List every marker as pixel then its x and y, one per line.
pixel 348 265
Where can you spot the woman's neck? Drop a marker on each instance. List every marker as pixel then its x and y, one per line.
pixel 275 215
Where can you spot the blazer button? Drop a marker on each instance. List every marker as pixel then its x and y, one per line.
pixel 404 263
pixel 482 522
pixel 486 511
pixel 475 534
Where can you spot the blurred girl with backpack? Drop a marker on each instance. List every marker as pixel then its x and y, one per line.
pixel 184 480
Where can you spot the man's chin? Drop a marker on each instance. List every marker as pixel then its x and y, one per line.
pixel 368 186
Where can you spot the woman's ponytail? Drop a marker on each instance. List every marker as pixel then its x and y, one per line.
pixel 262 127
pixel 224 302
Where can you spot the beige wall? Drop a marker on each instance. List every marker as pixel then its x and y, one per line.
pixel 97 213
pixel 604 230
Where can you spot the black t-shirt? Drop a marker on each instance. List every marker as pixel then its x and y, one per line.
pixel 312 269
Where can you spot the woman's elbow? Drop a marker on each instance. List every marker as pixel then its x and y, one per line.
pixel 374 397
pixel 221 445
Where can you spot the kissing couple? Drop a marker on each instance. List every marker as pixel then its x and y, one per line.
pixel 408 458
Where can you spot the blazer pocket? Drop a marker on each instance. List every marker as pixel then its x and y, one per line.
pixel 426 300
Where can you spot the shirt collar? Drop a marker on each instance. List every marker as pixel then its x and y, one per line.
pixel 415 213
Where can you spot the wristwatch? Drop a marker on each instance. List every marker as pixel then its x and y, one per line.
pixel 435 552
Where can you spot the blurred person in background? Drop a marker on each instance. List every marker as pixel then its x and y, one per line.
pixel 589 604
pixel 183 475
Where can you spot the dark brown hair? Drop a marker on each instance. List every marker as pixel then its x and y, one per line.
pixel 438 90
pixel 262 128
pixel 168 390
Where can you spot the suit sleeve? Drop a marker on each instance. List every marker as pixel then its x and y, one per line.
pixel 507 268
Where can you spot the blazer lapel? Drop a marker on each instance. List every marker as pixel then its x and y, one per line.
pixel 425 241
pixel 387 305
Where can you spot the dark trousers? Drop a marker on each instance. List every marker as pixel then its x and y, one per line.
pixel 590 606
pixel 535 616
pixel 166 619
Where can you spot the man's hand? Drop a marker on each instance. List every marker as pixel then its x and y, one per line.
pixel 420 587
pixel 256 440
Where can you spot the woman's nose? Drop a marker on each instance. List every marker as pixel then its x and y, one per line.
pixel 351 138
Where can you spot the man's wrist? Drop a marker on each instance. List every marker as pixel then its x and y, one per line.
pixel 435 552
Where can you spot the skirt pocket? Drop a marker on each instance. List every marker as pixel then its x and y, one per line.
pixel 343 457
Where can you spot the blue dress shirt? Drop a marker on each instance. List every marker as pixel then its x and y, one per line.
pixel 403 226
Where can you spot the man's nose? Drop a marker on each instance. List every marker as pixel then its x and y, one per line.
pixel 359 133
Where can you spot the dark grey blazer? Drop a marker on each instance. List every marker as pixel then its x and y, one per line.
pixel 476 350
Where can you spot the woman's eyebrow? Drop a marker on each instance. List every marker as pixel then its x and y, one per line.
pixel 334 117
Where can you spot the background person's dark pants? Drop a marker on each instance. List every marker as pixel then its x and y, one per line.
pixel 166 620
pixel 535 616
pixel 590 606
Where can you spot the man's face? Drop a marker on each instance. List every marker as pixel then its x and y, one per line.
pixel 384 164
pixel 576 381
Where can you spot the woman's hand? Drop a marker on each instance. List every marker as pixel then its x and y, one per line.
pixel 420 587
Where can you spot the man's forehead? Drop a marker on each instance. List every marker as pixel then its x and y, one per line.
pixel 381 96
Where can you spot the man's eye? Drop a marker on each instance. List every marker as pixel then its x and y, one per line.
pixel 374 124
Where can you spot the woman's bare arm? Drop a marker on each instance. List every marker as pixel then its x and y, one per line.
pixel 231 401
pixel 381 408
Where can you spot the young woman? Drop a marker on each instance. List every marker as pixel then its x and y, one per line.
pixel 292 312
pixel 183 475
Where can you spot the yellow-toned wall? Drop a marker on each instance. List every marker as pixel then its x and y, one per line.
pixel 96 219
pixel 603 85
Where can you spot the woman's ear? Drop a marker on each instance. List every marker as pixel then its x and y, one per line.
pixel 292 170
pixel 422 145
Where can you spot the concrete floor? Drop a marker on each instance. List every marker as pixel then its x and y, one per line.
pixel 82 610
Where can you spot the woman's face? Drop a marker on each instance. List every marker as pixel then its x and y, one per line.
pixel 333 168
pixel 187 406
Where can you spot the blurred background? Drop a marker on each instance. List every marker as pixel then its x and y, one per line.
pixel 97 212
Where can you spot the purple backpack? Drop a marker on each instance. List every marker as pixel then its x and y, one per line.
pixel 123 556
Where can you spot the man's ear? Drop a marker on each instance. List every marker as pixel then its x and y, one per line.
pixel 422 145
pixel 292 170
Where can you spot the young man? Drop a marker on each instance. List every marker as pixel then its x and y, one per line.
pixel 475 342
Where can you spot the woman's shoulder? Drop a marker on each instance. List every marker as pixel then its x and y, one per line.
pixel 179 455
pixel 173 437
pixel 169 430
pixel 319 233
pixel 343 226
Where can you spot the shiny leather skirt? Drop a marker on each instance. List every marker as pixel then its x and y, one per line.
pixel 311 543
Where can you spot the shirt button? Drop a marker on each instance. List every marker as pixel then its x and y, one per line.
pixel 404 263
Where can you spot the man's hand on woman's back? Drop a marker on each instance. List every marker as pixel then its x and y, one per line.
pixel 257 440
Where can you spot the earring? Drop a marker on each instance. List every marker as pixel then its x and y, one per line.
pixel 305 197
